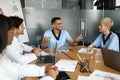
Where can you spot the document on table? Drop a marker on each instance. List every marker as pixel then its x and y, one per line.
pixel 83 78
pixel 43 53
pixel 101 75
pixel 66 65
pixel 85 51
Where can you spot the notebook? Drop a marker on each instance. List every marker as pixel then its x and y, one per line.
pixel 111 58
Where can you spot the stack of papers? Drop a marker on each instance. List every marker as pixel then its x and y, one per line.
pixel 83 78
pixel 85 51
pixel 100 75
pixel 66 65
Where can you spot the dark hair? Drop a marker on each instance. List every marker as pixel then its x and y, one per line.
pixel 17 21
pixel 54 19
pixel 5 26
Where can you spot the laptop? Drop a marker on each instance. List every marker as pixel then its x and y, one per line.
pixel 111 58
pixel 45 59
pixel 49 57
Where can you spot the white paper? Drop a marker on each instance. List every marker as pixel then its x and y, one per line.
pixel 85 50
pixel 101 75
pixel 32 70
pixel 43 53
pixel 13 8
pixel 83 78
pixel 66 65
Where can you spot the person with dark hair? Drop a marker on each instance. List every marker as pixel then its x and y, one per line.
pixel 58 36
pixel 5 27
pixel 16 50
pixel 10 70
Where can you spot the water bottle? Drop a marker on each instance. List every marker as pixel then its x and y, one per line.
pixel 98 57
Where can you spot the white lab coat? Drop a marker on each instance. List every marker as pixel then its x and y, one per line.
pixel 15 53
pixel 13 71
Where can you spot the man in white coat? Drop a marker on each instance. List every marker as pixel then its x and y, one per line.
pixel 15 51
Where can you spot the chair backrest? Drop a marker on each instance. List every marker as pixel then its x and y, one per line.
pixel 118 34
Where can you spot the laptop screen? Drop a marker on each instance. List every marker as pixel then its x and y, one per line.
pixel 46 58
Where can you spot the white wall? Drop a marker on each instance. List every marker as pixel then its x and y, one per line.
pixel 13 8
pixel 117 2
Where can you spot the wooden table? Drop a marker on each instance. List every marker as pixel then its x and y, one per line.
pixel 72 55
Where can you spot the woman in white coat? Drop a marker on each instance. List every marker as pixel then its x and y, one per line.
pixel 15 51
pixel 11 70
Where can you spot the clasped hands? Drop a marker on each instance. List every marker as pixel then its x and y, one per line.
pixel 51 70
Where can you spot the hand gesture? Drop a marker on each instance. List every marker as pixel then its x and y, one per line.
pixel 79 38
pixel 46 38
pixel 52 71
pixel 90 47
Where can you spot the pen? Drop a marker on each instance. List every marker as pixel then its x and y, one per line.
pixel 79 58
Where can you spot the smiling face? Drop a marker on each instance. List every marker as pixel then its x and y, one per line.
pixel 19 30
pixel 105 24
pixel 18 25
pixel 58 25
pixel 102 28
